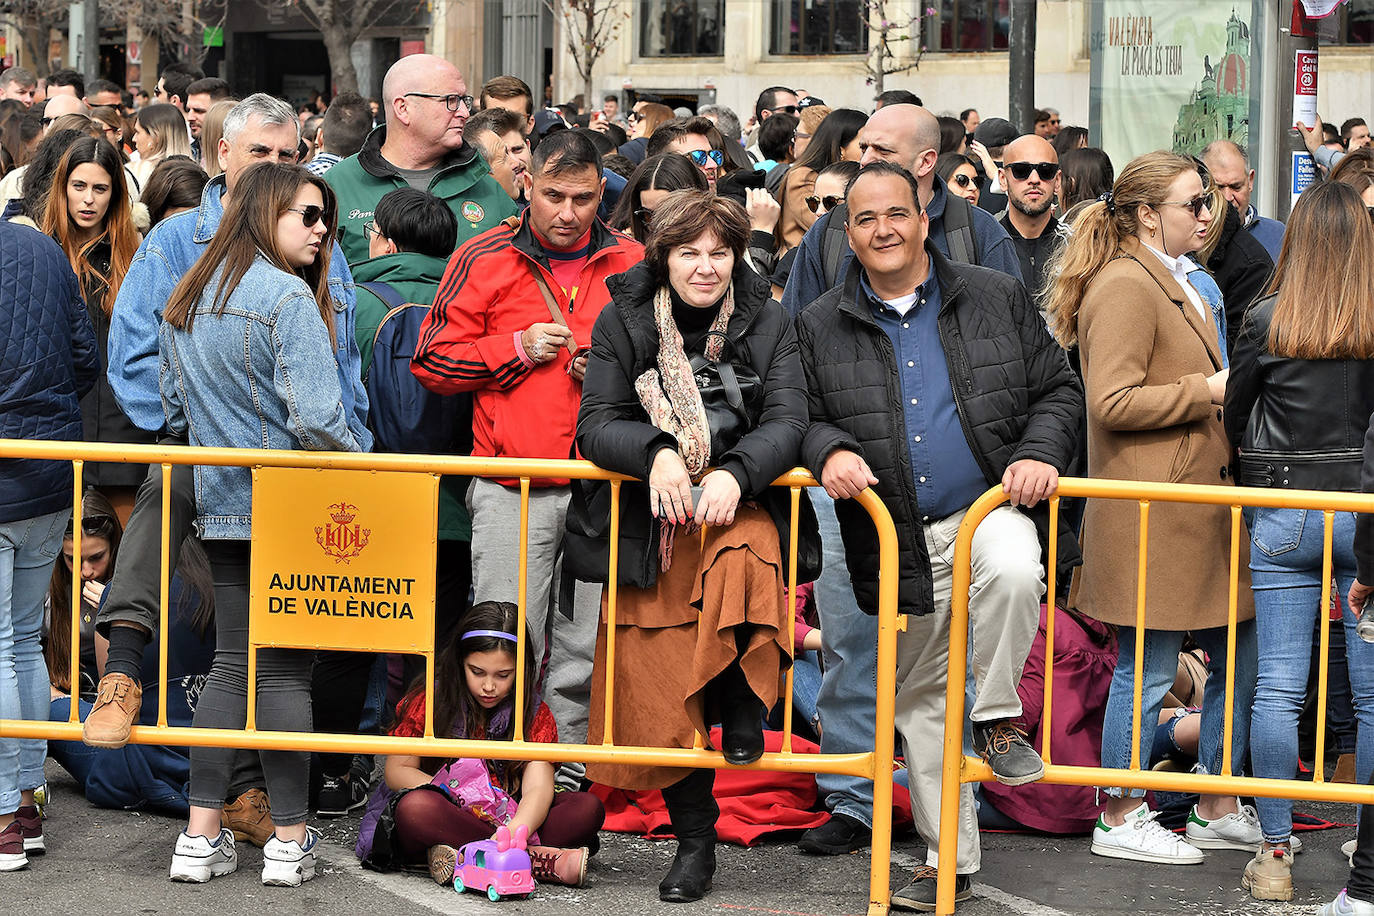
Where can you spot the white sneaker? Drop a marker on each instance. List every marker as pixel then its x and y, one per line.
pixel 197 859
pixel 1240 830
pixel 287 864
pixel 1348 850
pixel 1344 906
pixel 1143 839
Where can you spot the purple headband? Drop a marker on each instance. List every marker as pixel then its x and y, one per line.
pixel 496 633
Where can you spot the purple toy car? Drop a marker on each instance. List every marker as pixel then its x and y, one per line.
pixel 500 866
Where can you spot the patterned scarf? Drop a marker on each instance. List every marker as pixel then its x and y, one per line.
pixel 671 398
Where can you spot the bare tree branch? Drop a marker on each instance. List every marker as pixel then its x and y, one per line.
pixel 589 27
pixel 884 58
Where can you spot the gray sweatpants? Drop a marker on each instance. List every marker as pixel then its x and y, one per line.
pixel 495 514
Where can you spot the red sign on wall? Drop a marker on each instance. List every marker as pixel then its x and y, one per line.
pixel 1305 73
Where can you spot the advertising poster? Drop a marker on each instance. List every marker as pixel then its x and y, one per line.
pixel 1171 75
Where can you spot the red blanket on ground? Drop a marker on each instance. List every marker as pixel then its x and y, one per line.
pixel 753 803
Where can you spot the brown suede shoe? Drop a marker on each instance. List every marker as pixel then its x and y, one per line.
pixel 551 864
pixel 1345 769
pixel 117 701
pixel 250 817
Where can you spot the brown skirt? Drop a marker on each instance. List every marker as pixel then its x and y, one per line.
pixel 672 639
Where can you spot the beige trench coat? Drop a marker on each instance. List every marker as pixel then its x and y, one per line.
pixel 1146 355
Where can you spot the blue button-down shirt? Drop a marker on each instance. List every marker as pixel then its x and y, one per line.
pixel 947 476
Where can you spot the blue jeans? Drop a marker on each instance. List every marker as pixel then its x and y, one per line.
pixel 28 548
pixel 1286 568
pixel 806 686
pixel 1160 668
pixel 73 756
pixel 849 645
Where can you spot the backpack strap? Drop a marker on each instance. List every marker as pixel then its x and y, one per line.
pixel 958 225
pixel 389 295
pixel 834 244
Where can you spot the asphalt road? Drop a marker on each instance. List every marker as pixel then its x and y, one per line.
pixel 111 863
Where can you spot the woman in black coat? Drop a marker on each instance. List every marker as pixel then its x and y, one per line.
pixel 694 367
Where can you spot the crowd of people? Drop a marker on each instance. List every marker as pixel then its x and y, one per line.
pixel 921 305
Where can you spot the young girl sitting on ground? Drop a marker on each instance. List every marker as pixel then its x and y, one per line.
pixel 428 808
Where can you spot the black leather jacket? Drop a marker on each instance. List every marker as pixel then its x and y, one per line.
pixel 1298 423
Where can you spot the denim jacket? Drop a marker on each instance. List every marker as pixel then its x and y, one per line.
pixel 259 375
pixel 165 256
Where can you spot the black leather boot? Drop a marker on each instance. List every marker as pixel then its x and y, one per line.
pixel 692 811
pixel 741 717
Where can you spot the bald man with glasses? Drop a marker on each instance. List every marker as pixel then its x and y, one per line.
pixel 421 146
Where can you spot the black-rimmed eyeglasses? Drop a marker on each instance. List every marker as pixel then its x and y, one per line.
pixel 451 102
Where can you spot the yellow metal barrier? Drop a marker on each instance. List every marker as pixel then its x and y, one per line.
pixel 959 769
pixel 876 765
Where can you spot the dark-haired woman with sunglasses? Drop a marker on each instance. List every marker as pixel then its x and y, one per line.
pixel 827 194
pixel 260 291
pixel 835 140
pixel 1154 377
pixel 960 174
pixel 648 185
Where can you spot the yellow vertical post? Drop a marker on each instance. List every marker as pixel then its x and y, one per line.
pixel 164 628
pixel 951 778
pixel 1324 619
pixel 77 585
pixel 612 587
pixel 1047 708
pixel 791 619
pixel 1228 721
pixel 522 612
pixel 880 860
pixel 1139 630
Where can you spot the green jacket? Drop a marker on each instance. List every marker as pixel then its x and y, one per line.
pixel 464 183
pixel 416 277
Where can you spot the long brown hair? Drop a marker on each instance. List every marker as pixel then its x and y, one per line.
pixel 1325 278
pixel 249 228
pixel 98 520
pixel 1099 232
pixel 117 230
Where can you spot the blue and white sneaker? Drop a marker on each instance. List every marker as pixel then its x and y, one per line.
pixel 288 863
pixel 197 859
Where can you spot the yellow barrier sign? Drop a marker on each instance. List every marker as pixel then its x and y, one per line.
pixel 343 559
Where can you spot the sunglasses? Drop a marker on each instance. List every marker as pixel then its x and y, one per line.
pixel 370 230
pixel 785 109
pixel 644 214
pixel 1197 204
pixel 964 181
pixel 450 101
pixel 309 215
pixel 831 201
pixel 1021 171
pixel 702 156
pixel 101 525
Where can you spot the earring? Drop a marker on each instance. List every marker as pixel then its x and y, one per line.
pixel 1152 233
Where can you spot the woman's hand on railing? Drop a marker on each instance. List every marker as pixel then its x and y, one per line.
pixel 92 591
pixel 719 498
pixel 670 488
pixel 1028 481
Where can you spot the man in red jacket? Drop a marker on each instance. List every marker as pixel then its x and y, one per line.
pixel 512 323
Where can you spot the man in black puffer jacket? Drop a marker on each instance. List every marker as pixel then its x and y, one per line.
pixel 932 381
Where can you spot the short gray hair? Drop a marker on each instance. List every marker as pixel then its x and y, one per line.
pixel 726 120
pixel 267 109
pixel 21 76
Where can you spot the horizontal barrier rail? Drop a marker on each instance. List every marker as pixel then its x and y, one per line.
pixel 878 763
pixel 959 768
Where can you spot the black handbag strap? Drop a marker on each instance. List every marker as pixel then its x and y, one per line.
pixel 726 370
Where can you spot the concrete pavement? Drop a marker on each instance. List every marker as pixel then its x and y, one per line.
pixel 113 862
